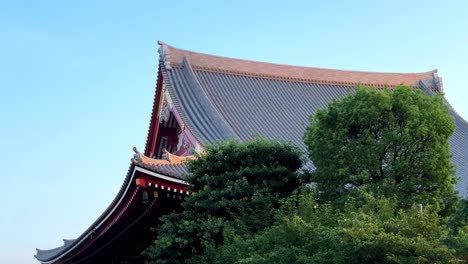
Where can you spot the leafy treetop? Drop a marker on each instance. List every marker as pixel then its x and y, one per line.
pixel 235 185
pixel 393 141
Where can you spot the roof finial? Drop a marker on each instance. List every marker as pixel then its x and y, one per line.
pixel 164 55
pixel 137 156
pixel 438 82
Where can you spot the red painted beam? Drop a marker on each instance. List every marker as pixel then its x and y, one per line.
pixel 148 181
pixel 154 126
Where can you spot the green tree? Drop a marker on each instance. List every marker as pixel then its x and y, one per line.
pixel 395 141
pixel 372 230
pixel 458 224
pixel 235 185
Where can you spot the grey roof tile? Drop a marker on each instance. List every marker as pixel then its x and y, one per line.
pixel 198 112
pixel 177 170
pixel 242 106
pixel 459 144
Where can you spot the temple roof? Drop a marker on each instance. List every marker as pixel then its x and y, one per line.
pixel 171 165
pixel 45 255
pixel 459 144
pixel 220 98
pixel 173 57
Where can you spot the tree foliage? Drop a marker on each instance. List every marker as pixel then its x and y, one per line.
pixel 396 142
pixel 236 185
pixel 385 192
pixel 458 224
pixel 372 230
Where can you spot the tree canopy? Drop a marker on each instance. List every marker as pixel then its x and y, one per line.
pixel 372 230
pixel 384 193
pixel 235 185
pixel 395 141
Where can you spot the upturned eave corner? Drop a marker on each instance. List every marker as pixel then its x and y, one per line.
pixel 438 82
pixel 168 158
pixel 164 55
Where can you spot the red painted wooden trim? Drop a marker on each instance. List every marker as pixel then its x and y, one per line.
pixel 165 183
pixel 186 131
pixel 141 182
pixel 154 127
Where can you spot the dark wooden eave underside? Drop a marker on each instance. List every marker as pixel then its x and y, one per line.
pixel 124 212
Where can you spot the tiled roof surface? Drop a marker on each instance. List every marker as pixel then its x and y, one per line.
pixel 194 107
pixel 220 99
pixel 459 143
pixel 46 254
pixel 272 108
pixel 178 170
pixel 218 63
pixel 173 165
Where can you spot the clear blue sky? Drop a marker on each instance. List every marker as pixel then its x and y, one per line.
pixel 77 81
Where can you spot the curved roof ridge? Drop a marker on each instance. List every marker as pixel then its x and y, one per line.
pixel 174 56
pixel 302 80
pixel 223 126
pixel 199 115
